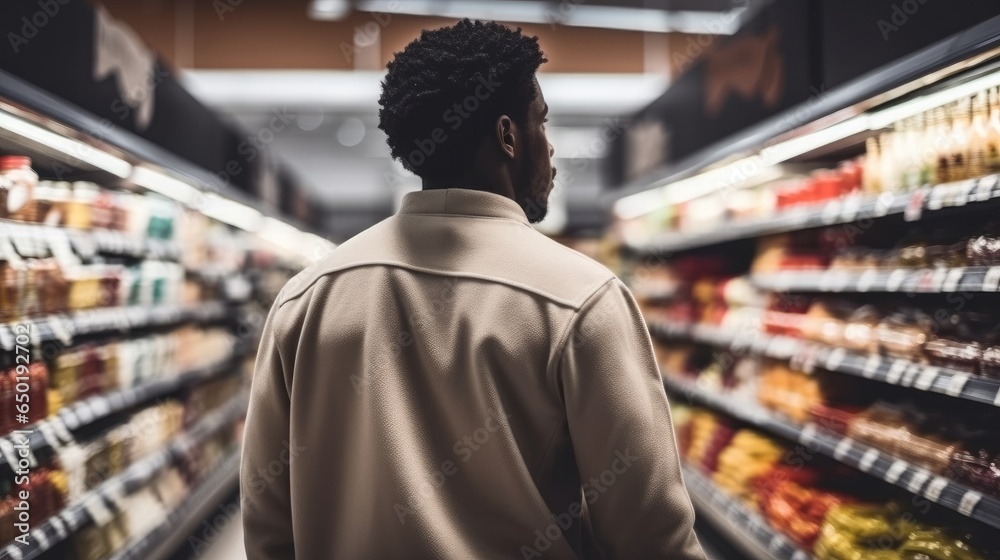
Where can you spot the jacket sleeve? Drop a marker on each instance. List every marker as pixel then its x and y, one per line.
pixel 266 459
pixel 622 435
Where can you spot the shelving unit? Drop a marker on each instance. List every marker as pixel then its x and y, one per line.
pixel 913 206
pixel 65 327
pixel 54 431
pixel 808 355
pixel 205 240
pixel 893 470
pixel 95 503
pixel 202 500
pixel 743 527
pixel 971 279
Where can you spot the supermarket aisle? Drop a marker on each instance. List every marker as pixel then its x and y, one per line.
pixel 229 546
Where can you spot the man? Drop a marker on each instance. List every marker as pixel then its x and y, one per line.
pixel 449 383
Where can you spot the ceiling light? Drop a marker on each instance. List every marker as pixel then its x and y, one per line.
pixel 575 14
pixel 351 132
pixel 68 146
pixel 358 91
pixel 329 10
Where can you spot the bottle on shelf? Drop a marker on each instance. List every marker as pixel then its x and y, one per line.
pixel 979 136
pixel 958 147
pixel 19 189
pixel 993 132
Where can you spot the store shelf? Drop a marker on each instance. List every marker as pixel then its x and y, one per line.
pixel 64 327
pixel 742 527
pixel 806 356
pixel 181 522
pixel 899 280
pixel 32 239
pixel 95 503
pixel 913 206
pixel 891 469
pixel 50 432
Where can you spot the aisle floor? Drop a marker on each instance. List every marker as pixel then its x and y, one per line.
pixel 229 545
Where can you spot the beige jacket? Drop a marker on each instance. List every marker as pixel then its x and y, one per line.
pixel 452 384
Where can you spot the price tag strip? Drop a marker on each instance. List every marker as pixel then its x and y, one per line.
pixel 895 471
pixel 953 279
pixel 967 505
pixel 991 280
pixel 917 480
pixel 843 449
pixel 934 489
pixel 871 366
pixel 896 371
pixel 868 460
pixel 928 375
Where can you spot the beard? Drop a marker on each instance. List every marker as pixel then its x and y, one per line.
pixel 535 200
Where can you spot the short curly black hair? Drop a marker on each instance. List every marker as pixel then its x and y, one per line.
pixel 444 91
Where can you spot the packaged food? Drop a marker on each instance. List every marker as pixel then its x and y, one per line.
pixel 983 250
pixel 951 255
pixel 38 387
pixel 978 468
pixel 7 519
pixel 80 207
pixel 899 430
pixel 7 402
pixel 834 418
pixel 954 354
pixel 11 281
pixel 53 288
pixel 102 210
pixel 935 544
pixel 65 375
pixel 19 194
pixel 90 543
pixel 903 334
pixel 990 362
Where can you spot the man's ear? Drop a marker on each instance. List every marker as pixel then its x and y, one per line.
pixel 506 134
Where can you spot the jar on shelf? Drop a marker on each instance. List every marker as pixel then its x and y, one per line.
pixel 121 202
pixel 79 212
pixel 61 193
pixel 20 188
pixel 43 201
pixel 102 210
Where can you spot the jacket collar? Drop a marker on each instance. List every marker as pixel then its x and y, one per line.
pixel 462 202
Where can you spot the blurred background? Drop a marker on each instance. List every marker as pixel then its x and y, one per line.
pixel 799 192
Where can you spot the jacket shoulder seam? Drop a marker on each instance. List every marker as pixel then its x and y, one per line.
pixel 299 292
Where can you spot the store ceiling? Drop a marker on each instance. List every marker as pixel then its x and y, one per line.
pixel 335 147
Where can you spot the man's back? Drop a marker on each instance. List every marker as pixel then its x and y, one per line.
pixel 452 384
